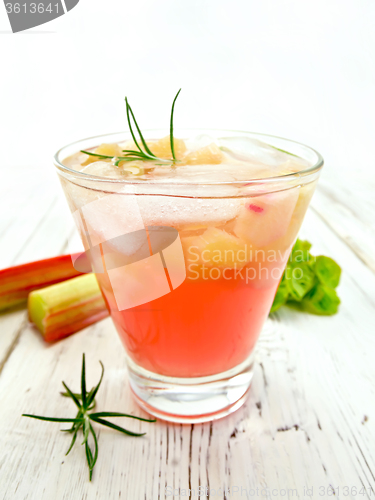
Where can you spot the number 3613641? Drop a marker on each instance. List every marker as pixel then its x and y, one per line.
pixel 32 8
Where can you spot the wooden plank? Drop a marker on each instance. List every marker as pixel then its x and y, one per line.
pixel 51 235
pixel 23 226
pixel 11 325
pixel 349 210
pixel 35 224
pixel 303 424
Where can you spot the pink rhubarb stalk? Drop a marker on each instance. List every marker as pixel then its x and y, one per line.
pixel 17 282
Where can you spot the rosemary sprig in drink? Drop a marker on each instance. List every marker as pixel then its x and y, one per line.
pixel 85 401
pixel 171 127
pixel 144 154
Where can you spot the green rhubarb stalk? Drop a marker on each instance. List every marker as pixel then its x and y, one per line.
pixel 62 309
pixel 18 281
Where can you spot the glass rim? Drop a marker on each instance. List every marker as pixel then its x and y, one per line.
pixel 289 176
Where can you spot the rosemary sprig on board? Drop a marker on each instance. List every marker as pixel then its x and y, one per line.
pixel 85 401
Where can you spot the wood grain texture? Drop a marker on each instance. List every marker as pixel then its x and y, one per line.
pixel 349 211
pixel 309 421
pixel 35 224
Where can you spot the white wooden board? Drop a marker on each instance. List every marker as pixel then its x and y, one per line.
pixel 309 421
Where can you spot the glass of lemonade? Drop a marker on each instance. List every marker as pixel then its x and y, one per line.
pixel 189 255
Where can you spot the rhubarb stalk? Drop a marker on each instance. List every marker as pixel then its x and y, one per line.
pixel 62 309
pixel 17 282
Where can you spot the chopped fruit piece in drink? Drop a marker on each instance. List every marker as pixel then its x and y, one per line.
pixel 135 168
pixel 216 247
pixel 104 149
pixel 162 148
pixel 266 218
pixel 192 247
pixel 109 149
pixel 17 282
pixel 210 155
pixel 194 228
pixel 60 310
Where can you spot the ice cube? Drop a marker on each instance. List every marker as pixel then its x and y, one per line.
pixel 264 219
pixel 228 172
pixel 112 216
pixel 104 169
pixel 203 174
pixel 177 212
pixel 78 196
pixel 199 142
pixel 247 148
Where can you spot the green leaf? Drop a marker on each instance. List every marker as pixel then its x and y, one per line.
pixel 73 396
pixel 116 414
pixel 95 154
pixel 147 149
pixel 171 138
pixel 79 397
pixel 85 429
pixel 130 125
pixel 302 245
pixel 75 425
pixel 327 271
pixel 83 381
pixel 300 278
pixel 283 151
pixel 94 391
pixel 52 419
pixel 131 152
pixel 300 251
pixel 90 398
pixel 89 459
pixel 83 418
pixel 310 282
pixel 96 449
pixel 114 426
pixel 144 154
pixel 281 296
pixel 67 395
pixel 119 158
pixel 321 300
pixel 73 440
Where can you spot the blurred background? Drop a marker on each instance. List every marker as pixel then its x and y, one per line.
pixel 298 69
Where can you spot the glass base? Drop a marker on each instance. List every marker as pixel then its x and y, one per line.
pixel 191 400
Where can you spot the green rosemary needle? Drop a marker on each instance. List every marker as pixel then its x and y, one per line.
pixel 144 154
pixel 171 126
pixel 85 401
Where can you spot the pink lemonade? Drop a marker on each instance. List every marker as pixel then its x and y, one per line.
pixel 202 328
pixel 236 205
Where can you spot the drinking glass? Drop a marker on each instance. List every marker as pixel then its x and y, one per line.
pixel 189 268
